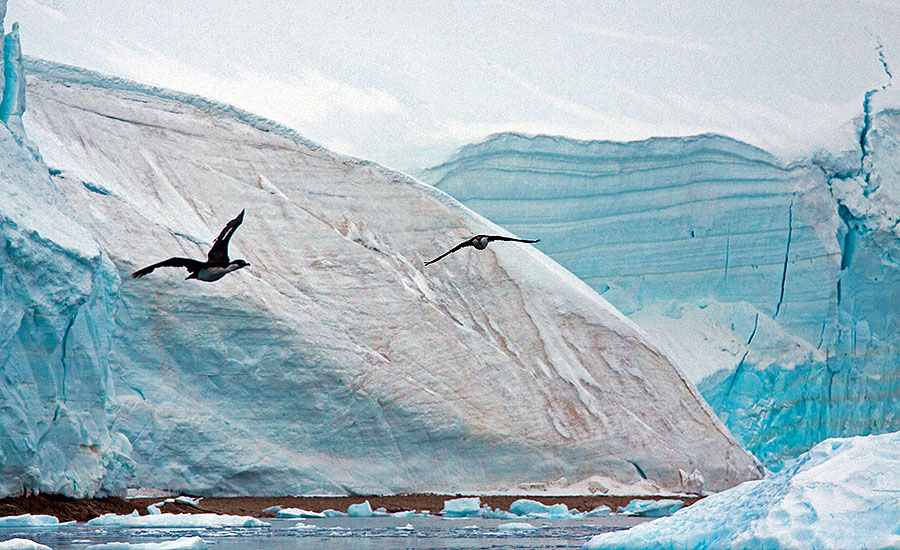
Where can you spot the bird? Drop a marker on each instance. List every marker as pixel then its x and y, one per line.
pixel 216 265
pixel 480 242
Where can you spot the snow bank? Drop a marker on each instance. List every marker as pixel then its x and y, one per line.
pixel 176 520
pixel 182 543
pixel 840 494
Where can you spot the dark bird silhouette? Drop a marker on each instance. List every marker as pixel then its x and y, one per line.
pixel 216 265
pixel 480 242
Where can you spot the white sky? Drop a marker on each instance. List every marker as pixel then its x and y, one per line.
pixel 405 83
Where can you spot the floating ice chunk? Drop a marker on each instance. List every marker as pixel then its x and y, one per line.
pixel 527 507
pixel 176 520
pixel 193 501
pixel 487 512
pixel 271 509
pixel 329 513
pixel 361 510
pixel 22 544
pixel 405 514
pixel 516 526
pixel 407 527
pixel 183 543
pixel 462 508
pixel 28 520
pixel 651 508
pixel 153 510
pixel 298 513
pixel 303 526
pixel 598 512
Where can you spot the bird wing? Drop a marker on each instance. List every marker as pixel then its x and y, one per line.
pixel 452 250
pixel 189 264
pixel 492 238
pixel 218 254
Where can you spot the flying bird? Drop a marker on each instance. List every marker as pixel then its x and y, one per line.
pixel 216 265
pixel 480 242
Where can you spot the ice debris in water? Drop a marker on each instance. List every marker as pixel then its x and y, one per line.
pixel 183 543
pixel 516 526
pixel 651 508
pixel 176 520
pixel 297 513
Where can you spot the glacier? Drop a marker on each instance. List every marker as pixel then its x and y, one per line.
pixel 336 364
pixel 771 281
pixel 840 494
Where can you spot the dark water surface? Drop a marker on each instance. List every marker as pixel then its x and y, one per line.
pixel 345 533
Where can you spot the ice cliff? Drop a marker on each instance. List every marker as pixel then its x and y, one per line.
pixel 773 284
pixel 337 363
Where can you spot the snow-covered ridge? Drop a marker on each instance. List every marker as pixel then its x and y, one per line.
pixel 336 363
pixel 770 283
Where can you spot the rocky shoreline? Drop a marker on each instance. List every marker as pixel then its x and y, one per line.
pixel 71 509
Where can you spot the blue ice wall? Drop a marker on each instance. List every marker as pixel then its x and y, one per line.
pixel 711 234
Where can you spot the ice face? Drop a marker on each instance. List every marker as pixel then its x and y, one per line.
pixel 772 285
pixel 833 496
pixel 336 363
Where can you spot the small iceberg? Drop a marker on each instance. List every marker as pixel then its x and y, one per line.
pixel 297 513
pixel 183 543
pixel 22 544
pixel 651 508
pixel 198 521
pixel 28 520
pixel 364 510
pixel 468 507
pixel 539 510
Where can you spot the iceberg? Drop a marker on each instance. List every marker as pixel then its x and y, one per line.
pixel 769 281
pixel 181 543
pixel 651 508
pixel 468 507
pixel 840 494
pixel 533 508
pixel 193 521
pixel 28 520
pixel 337 364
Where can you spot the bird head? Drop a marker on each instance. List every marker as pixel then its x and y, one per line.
pixel 238 264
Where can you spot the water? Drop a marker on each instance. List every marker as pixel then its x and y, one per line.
pixel 345 533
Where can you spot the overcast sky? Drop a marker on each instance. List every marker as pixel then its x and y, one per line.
pixel 405 83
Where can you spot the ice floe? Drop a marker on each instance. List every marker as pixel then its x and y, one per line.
pixel 840 494
pixel 182 543
pixel 177 520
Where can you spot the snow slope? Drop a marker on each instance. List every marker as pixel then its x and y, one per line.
pixel 337 363
pixel 840 494
pixel 772 285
